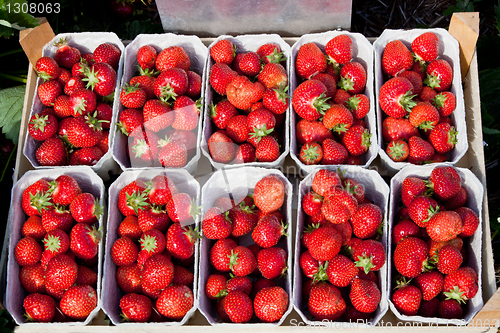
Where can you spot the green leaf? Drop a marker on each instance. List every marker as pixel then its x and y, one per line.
pixel 13 18
pixel 11 110
pixel 490 131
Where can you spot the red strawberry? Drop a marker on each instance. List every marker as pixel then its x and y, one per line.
pixel 396 97
pixel 182 276
pixel 146 57
pixel 220 253
pixel 48 92
pixel 221 113
pixel 172 154
pixel 403 229
pixel 132 97
pixel 57 218
pixel 270 53
pixel 47 68
pixel 182 208
pixel 194 85
pixel 171 83
pixel 429 308
pixel 426 47
pixel 61 272
pixel 353 78
pixel 157 115
pixel 78 302
pixel 326 302
pixel 85 131
pixel 272 262
pixel 443 138
pixel 269 194
pixel 39 308
pixel 260 122
pixel 56 241
pixel 86 276
pixel 85 208
pixel 308 131
pixel 461 285
pixel 424 116
pixel 369 255
pixel 101 78
pixel 129 120
pixel 242 93
pixel 270 304
pixel 215 286
pixel 237 128
pixel 73 85
pixel 445 103
pixel 366 220
pixel 153 217
pixel 267 149
pixel 444 226
pixel 220 77
pixel 310 60
pixel 420 150
pixel 33 227
pixel 328 81
pixel 449 259
pixel 239 283
pixel 129 278
pixel 311 153
pixel 309 99
pixel 64 190
pixel 175 301
pixel 153 241
pixel 430 284
pixel 456 201
pixel 107 53
pixel 242 261
pixel 364 295
pixel 221 147
pixel 446 182
pixel 410 256
pixel 341 271
pixel 243 219
pixel 146 83
pixel 439 75
pixel 398 150
pixel 162 189
pixel 82 102
pixel 245 154
pixel 276 99
pixel 357 140
pixel 250 64
pixel 396 58
pixel 172 57
pixel 324 180
pixel 427 94
pixel 407 300
pixel 412 187
pixel 324 243
pixel 42 127
pixel 422 209
pixel 186 113
pixel 223 51
pixel 84 240
pixel 33 278
pixel 86 156
pixel 470 221
pixel 158 272
pixel 238 307
pixel 339 49
pixel 52 152
pixel 450 309
pixel 273 76
pixel 415 79
pixel 181 241
pixel 66 56
pixel 136 308
pixel 64 76
pixel 359 105
pixel 27 251
pixel 338 118
pixel 395 129
pixel 62 108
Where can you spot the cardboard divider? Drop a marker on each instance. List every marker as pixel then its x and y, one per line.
pixel 86 42
pixel 197 52
pixel 475 193
pixel 377 191
pixel 244 43
pixel 237 183
pixel 15 293
pixel 112 293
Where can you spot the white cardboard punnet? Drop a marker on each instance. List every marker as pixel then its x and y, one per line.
pixel 448 50
pixel 112 293
pixel 15 294
pixel 362 53
pixel 475 192
pixel 86 42
pixel 197 52
pixel 244 43
pixel 377 191
pixel 238 183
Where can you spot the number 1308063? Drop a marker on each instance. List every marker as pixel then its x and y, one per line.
pixel 33 8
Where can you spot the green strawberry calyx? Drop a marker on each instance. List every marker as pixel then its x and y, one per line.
pixel 346 83
pixel 148 243
pixel 406 101
pixel 194 210
pixel 452 136
pixel 140 148
pixel 282 92
pixel 366 142
pixel 233 259
pixel 41 201
pixel 432 81
pixel 98 209
pixel 310 153
pixel 39 122
pixel 321 274
pixel 439 100
pixel 353 102
pixel 90 77
pixel 320 104
pixel 167 93
pixel 52 243
pixel 397 150
pixel 276 57
pixel 456 294
pixel 365 262
pixel 137 200
pixel 402 282
pixel 147 71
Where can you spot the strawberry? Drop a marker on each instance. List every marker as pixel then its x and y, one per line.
pixel 153 241
pixel 426 47
pixel 429 308
pixel 161 190
pixel 427 94
pixel 430 284
pixel 424 116
pixel 311 267
pixel 269 194
pixel 461 285
pixel 172 154
pixel 403 229
pixel 243 219
pixel 444 226
pixel 42 127
pixel 222 148
pixel 410 256
pixel 78 302
pixel 33 278
pixel 325 302
pixel 339 50
pixel 132 97
pixel 39 308
pixel 439 75
pixel 422 209
pixel 359 105
pixel 215 286
pixel 238 307
pixel 85 131
pixel 129 278
pixel 341 271
pixel 310 60
pixel 366 220
pixel 311 153
pixel 412 187
pixel 245 154
pixel 172 57
pixel 136 308
pixel 270 304
pixel 272 262
pixel 242 93
pixel 48 92
pixel 449 259
pixel 328 81
pixel 73 85
pixel 84 240
pixel 273 76
pixel 33 227
pixel 445 182
pixel 398 128
pixel 239 283
pixel 220 77
pixel 364 295
pixel 182 276
pixel 407 300
pixel 415 80
pixel 181 241
pixel 221 113
pixel 129 120
pixel 82 102
pixel 170 84
pixel 144 148
pixel 146 83
pixel 237 128
pixel 276 99
pixel 175 301
pixel 267 149
pixel 470 221
pixel 62 108
pixel 182 208
pixel 157 115
pixel 449 309
pixel 369 255
pixel 61 272
pixel 64 76
pixel 445 102
pixel 260 122
pixel 146 56
pixel 101 78
pixel 153 217
pixel 270 53
pixel 308 131
pixel 261 284
pixel 86 276
pixel 220 253
pixel 338 118
pixel 443 138
pixel 223 51
pixel 456 201
pixel 396 97
pixel 398 150
pixel 250 64
pixel 420 150
pixel 309 99
pixel 27 251
pixel 157 272
pixel 324 243
pixel 311 203
pixel 47 68
pixel 86 156
pixel 357 140
pixel 324 180
pixel 396 58
pixel 56 241
pixel 341 97
pixel 186 113
pixel 194 85
pixel 64 189
pixel 85 208
pixel 107 53
pixel 57 218
pixel 66 56
pixel 242 261
pixel 352 78
pixel 52 152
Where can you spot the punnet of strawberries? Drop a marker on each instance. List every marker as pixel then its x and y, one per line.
pixel 247 254
pixel 154 250
pixel 417 101
pixel 341 255
pixel 331 103
pixel 58 251
pixel 72 126
pixel 249 102
pixel 160 106
pixel 431 240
